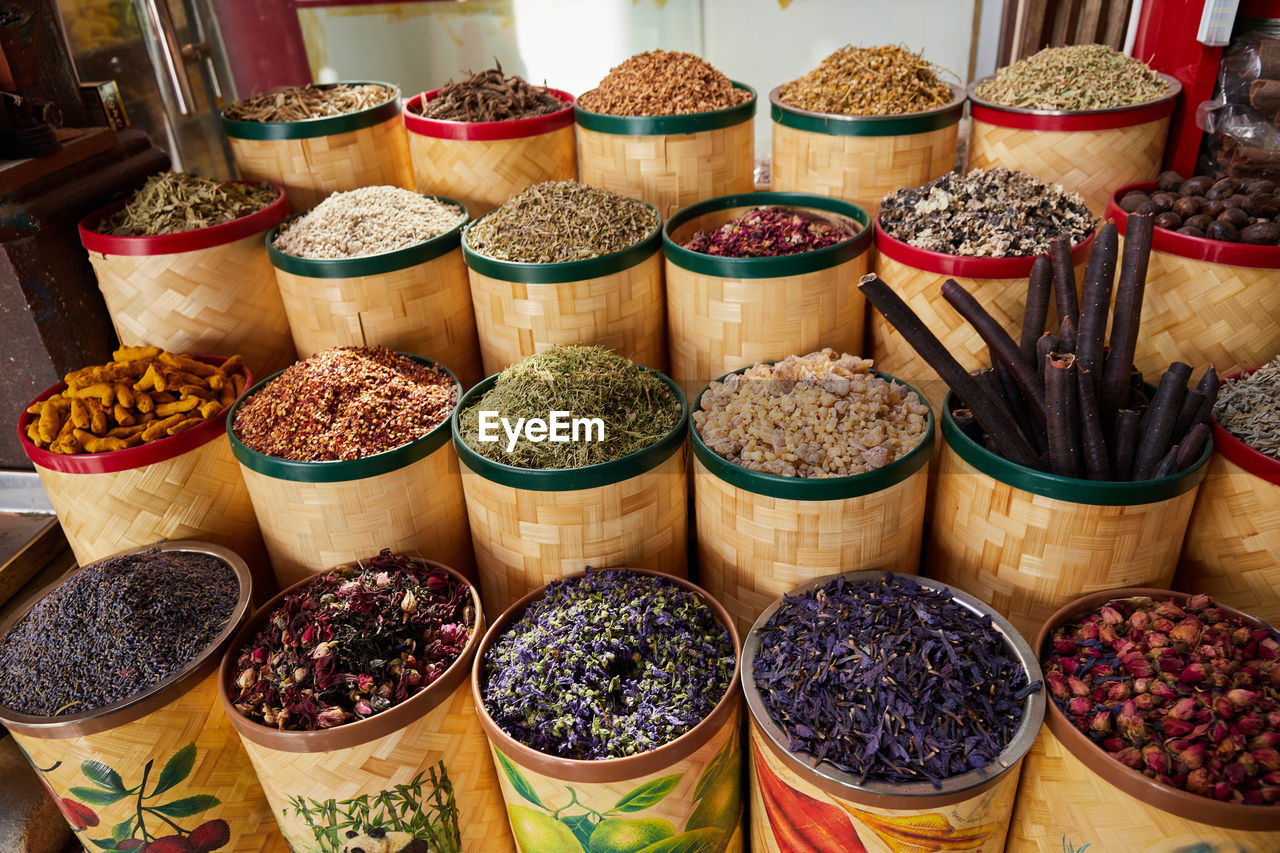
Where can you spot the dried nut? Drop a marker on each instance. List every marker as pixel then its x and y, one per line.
pixel 1235 200
pixel 1169 181
pixel 1214 208
pixel 1259 185
pixel 1222 230
pixel 1200 221
pixel 1235 216
pixel 1222 188
pixel 1261 234
pixel 1188 206
pixel 1169 220
pixel 1261 204
pixel 1133 200
pixel 1196 186
pixel 1190 232
pixel 1161 202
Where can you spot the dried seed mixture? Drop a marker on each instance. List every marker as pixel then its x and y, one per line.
pixel 490 96
pixel 989 213
pixel 662 83
pixel 768 232
pixel 115 629
pixel 818 415
pixel 1249 408
pixel 1075 77
pixel 559 221
pixel 345 403
pixel 175 202
pixel 875 81
pixel 311 101
pixel 367 221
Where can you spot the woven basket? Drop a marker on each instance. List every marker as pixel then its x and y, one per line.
pixel 210 290
pixel 760 535
pixel 916 275
pixel 314 158
pixel 532 526
pixel 483 163
pixel 1026 542
pixel 1090 152
pixel 174 729
pixel 1073 793
pixel 614 301
pixel 693 781
pixel 315 515
pixel 727 313
pixel 1232 549
pixel 670 161
pixel 187 486
pixel 862 159
pixel 414 299
pixel 1206 301
pixel 799 803
pixel 433 735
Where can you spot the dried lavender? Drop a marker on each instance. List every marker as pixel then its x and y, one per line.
pixel 662 83
pixel 890 680
pixel 768 231
pixel 353 642
pixel 115 629
pixel 1249 408
pixel 490 96
pixel 1074 77
pixel 605 665
pixel 1182 692
pixel 989 213
pixel 175 202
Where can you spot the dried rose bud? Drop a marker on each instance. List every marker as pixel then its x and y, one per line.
pixel 1137 665
pixel 1110 615
pixel 1064 647
pixel 1223 708
pixel 1268 760
pixel 1235 773
pixel 1114 744
pixel 1272 778
pixel 1101 722
pixel 1227 747
pixel 1129 757
pixel 1129 723
pixel 1079 706
pixel 363 708
pixel 1163 691
pixel 1155 758
pixel 364 683
pixel 1058 685
pixel 1199 602
pixel 1108 635
pixel 1192 757
pixel 381 580
pixel 1270 795
pixel 1266 740
pixel 1242 698
pixel 1187 631
pixel 409 603
pixel 1078 687
pixel 1169 609
pixel 1089 631
pixel 1200 781
pixel 1183 709
pixel 1118 691
pixel 1159 638
pixel 1222 791
pixel 247 678
pixel 331 716
pixel 1146 702
pixel 1171 663
pixel 1218 731
pixel 1140 620
pixel 1193 674
pixel 1177 728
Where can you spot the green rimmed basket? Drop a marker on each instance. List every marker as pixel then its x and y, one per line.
pixel 315 515
pixel 761 535
pixel 614 301
pixel 670 161
pixel 727 313
pixel 530 527
pixel 1026 542
pixel 414 299
pixel 312 158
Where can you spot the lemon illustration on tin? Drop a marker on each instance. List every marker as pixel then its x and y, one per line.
pixel 620 835
pixel 540 833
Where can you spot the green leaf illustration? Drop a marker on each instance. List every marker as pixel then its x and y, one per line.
pixel 187 806
pixel 122 830
pixel 517 780
pixel 725 758
pixel 704 840
pixel 96 797
pixel 647 795
pixel 176 769
pixel 104 843
pixel 102 776
pixel 581 826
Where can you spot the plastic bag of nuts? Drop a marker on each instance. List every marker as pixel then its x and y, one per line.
pixel 1233 210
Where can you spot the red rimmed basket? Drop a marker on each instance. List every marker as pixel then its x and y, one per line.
pixel 483 163
pixel 186 486
pixel 1088 151
pixel 1207 301
pixel 210 290
pixel 1232 549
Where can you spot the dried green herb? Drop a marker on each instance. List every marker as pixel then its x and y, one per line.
pixel 1249 408
pixel 312 101
pixel 885 80
pixel 561 221
pixel 1075 77
pixel 490 96
pixel 174 202
pixel 636 406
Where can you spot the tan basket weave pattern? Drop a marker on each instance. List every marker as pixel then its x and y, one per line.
pixel 752 548
pixel 525 539
pixel 1062 802
pixel 424 310
pixel 482 174
pixel 312 527
pixel 221 769
pixel 217 301
pixel 1232 549
pixel 670 172
pixel 622 312
pixel 717 325
pixel 450 732
pixel 1094 163
pixel 311 169
pixel 860 169
pixel 1026 555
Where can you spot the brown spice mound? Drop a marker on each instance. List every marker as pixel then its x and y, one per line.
pixel 662 83
pixel 490 96
pixel 871 81
pixel 297 103
pixel 345 403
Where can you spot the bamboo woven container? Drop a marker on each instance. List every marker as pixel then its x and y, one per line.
pixel 1074 795
pixel 1026 541
pixel 693 782
pixel 760 535
pixel 1232 549
pixel 315 515
pixel 532 526
pixel 1087 151
pixel 209 290
pixel 726 313
pixel 483 163
pixel 1000 284
pixel 175 728
pixel 614 301
pixel 414 299
pixel 862 159
pixel 186 486
pixel 1231 286
pixel 313 158
pixel 969 812
pixel 359 767
pixel 670 161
